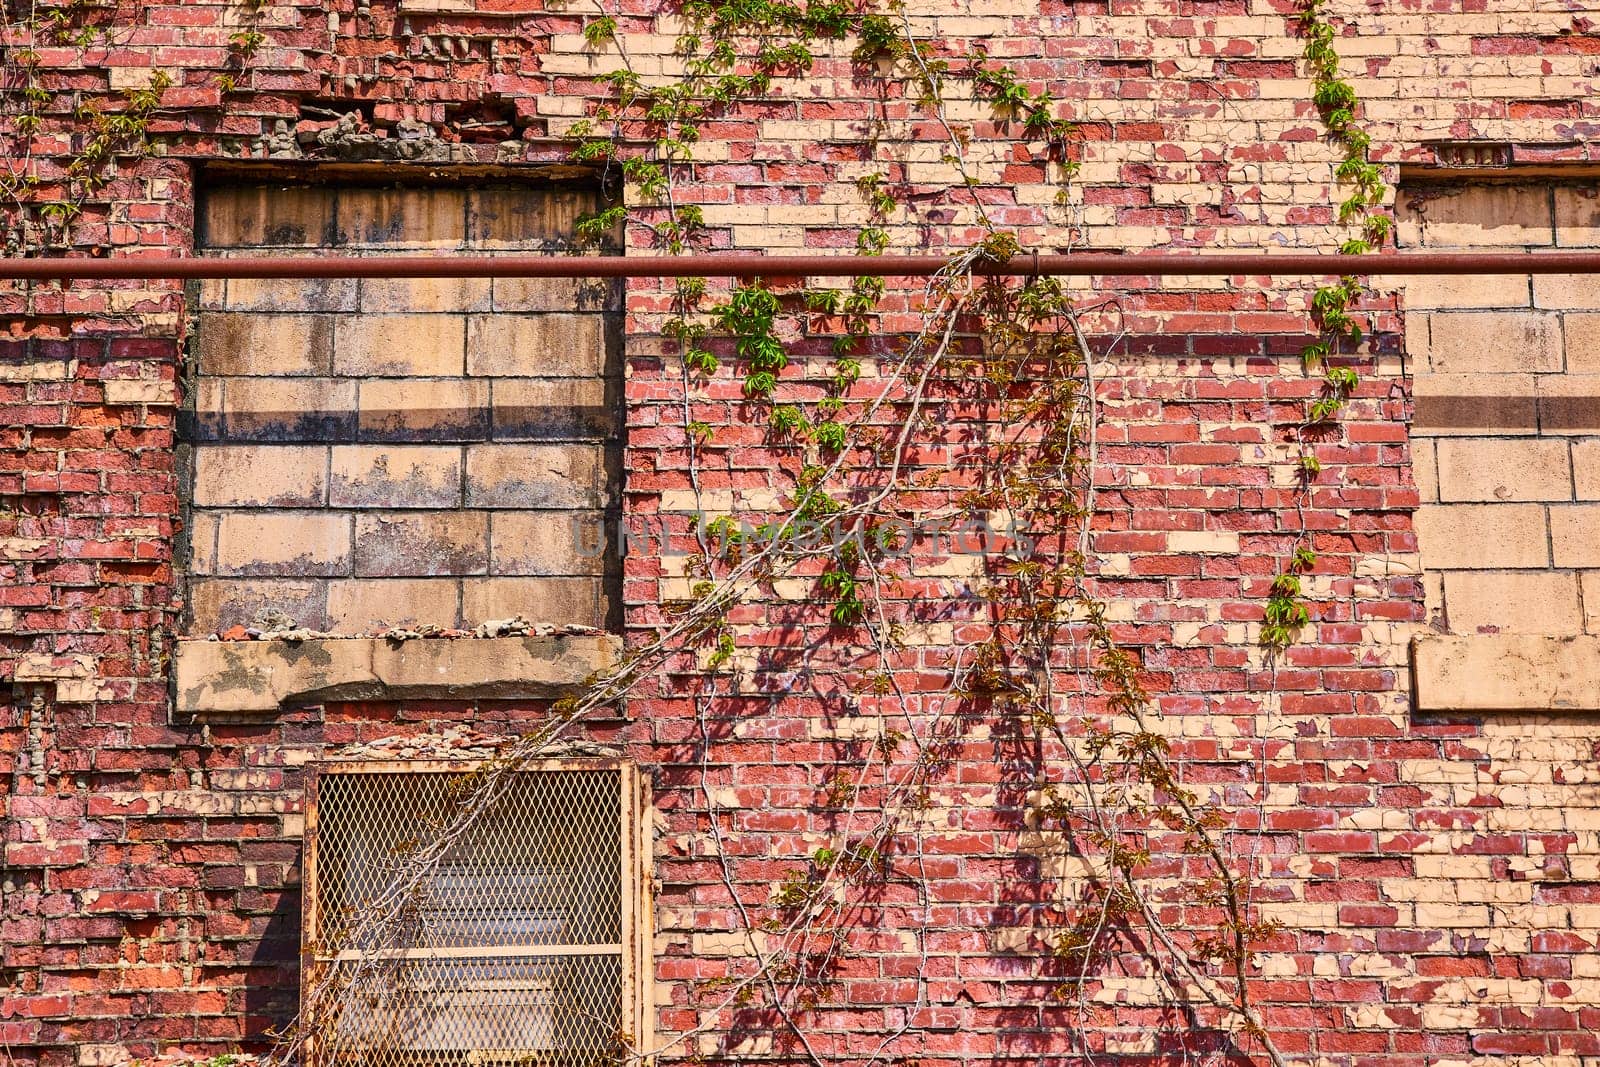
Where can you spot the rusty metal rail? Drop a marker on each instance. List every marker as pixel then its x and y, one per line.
pixel 744 265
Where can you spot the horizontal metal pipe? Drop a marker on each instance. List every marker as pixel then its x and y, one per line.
pixel 743 265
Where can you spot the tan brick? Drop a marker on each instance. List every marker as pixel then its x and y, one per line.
pixel 1525 602
pixel 1506 673
pixel 1469 216
pixel 1580 291
pixel 291 294
pixel 1496 342
pixel 218 603
pixel 1575 535
pixel 512 218
pixel 1498 468
pixel 366 604
pixel 1582 334
pixel 543 346
pixel 554 600
pixel 1475 405
pixel 263 344
pixel 1586 468
pixel 240 216
pixel 140 391
pixel 1577 216
pixel 1482 536
pixel 290 544
pixel 541 409
pixel 559 543
pixel 1460 291
pixel 402 218
pixel 415 544
pixel 368 345
pixel 557 294
pixel 292 409
pixel 1569 404
pixel 535 476
pixel 424 409
pixel 132 79
pixel 396 476
pixel 391 295
pixel 435 6
pixel 260 476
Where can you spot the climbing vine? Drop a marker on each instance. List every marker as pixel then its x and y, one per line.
pixel 1332 306
pixel 43 193
pixel 845 407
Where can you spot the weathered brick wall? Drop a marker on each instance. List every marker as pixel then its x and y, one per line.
pixel 1436 873
pixel 372 453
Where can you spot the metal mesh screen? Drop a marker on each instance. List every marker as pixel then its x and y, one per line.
pixel 513 953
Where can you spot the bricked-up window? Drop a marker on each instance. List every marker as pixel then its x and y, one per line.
pixel 528 944
pixel 402 452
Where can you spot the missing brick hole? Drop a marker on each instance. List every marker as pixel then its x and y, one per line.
pixel 482 121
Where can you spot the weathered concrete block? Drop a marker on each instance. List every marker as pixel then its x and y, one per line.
pixel 289 410
pixel 1522 602
pixel 1495 342
pixel 535 476
pixel 241 216
pixel 396 295
pixel 543 346
pixel 557 294
pixel 416 345
pixel 364 605
pixel 291 294
pixel 1577 210
pixel 1569 404
pixel 424 409
pixel 553 600
pixel 1475 405
pixel 264 344
pixel 1470 216
pixel 1482 536
pixel 422 543
pixel 1575 535
pixel 509 218
pixel 541 409
pixel 1505 673
pixel 264 676
pixel 1581 291
pixel 395 476
pixel 1497 468
pixel 560 543
pixel 218 603
pixel 261 476
pixel 1586 468
pixel 402 218
pixel 290 544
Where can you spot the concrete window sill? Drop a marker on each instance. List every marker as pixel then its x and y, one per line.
pixel 264 676
pixel 1505 672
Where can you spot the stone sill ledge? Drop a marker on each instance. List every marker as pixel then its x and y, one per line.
pixel 1505 672
pixel 264 676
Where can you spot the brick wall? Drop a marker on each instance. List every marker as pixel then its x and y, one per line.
pixel 1437 872
pixel 372 453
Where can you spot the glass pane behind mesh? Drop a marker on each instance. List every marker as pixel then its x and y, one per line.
pixel 535 885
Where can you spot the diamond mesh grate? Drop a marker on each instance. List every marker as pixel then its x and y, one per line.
pixel 513 952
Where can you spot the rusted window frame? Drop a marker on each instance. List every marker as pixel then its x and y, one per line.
pixel 637 1014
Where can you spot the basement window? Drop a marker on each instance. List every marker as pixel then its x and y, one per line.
pixel 527 945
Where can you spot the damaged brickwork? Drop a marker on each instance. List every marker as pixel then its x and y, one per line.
pixel 1435 865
